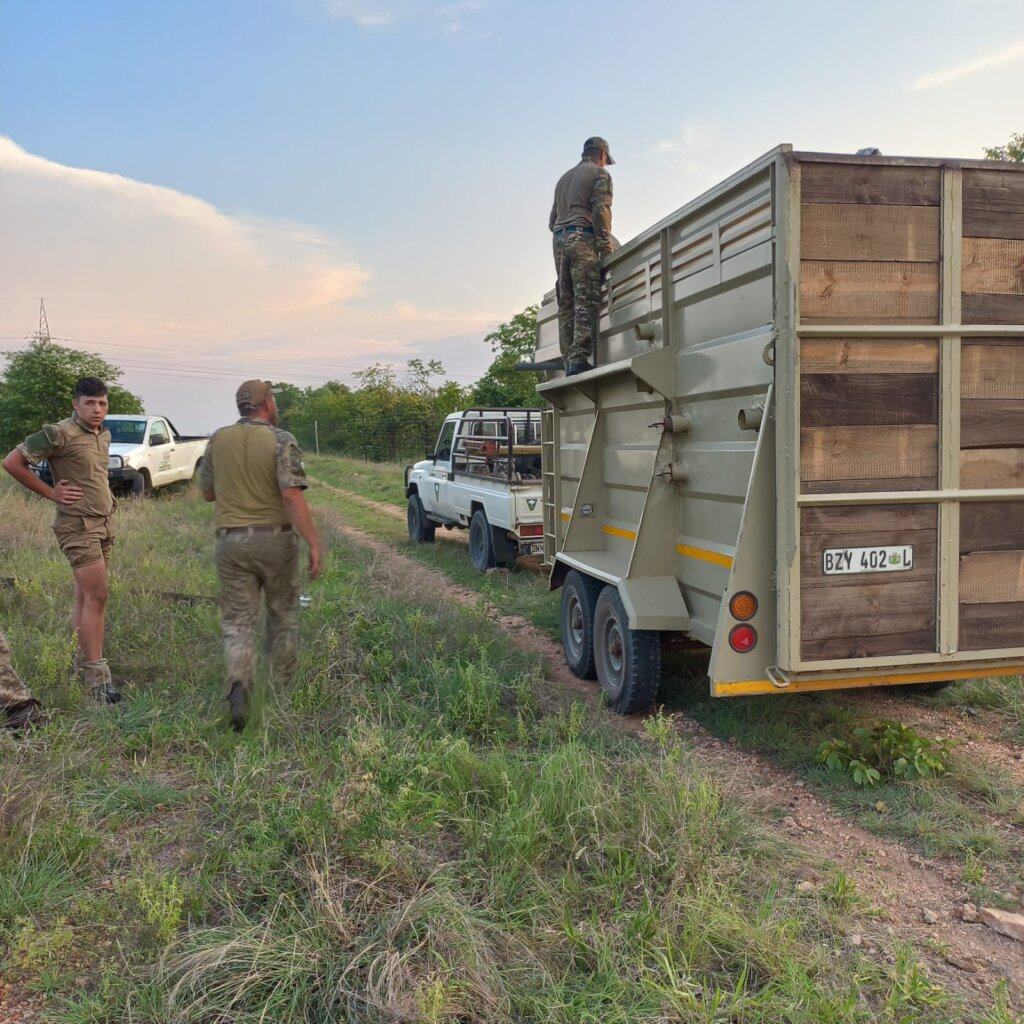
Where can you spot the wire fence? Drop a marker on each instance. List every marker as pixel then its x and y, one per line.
pixel 406 442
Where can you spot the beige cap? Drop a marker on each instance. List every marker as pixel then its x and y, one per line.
pixel 254 393
pixel 596 142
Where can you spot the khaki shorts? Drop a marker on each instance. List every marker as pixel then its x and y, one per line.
pixel 84 539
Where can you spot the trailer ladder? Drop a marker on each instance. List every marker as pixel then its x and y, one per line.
pixel 550 485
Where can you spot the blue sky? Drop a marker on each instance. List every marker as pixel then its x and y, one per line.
pixel 344 180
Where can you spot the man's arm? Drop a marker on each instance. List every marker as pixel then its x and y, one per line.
pixel 19 467
pixel 300 517
pixel 206 476
pixel 601 210
pixel 553 217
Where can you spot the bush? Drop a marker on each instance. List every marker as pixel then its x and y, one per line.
pixel 886 749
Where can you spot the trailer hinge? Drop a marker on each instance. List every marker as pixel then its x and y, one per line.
pixel 777 679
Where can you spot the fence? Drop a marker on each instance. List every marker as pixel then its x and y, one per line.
pixel 397 442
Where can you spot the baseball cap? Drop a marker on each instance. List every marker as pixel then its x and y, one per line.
pixel 596 142
pixel 254 392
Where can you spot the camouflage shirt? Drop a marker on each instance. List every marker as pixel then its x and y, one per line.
pixel 247 465
pixel 583 198
pixel 76 454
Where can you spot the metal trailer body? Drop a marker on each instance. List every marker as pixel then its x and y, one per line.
pixel 701 459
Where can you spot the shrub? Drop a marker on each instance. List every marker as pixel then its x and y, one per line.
pixel 884 750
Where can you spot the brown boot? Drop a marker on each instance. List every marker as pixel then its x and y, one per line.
pixel 96 676
pixel 23 717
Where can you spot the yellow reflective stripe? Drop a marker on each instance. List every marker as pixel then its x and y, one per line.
pixel 566 517
pixel 750 687
pixel 615 531
pixel 704 555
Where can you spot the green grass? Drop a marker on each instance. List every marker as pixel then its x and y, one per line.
pixel 414 830
pixel 962 814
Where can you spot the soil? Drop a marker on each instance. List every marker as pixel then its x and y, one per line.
pixel 918 898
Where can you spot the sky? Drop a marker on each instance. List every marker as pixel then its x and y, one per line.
pixel 206 191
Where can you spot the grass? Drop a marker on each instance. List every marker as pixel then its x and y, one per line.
pixel 962 814
pixel 413 831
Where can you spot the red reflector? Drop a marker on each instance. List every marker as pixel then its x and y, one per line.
pixel 742 638
pixel 531 530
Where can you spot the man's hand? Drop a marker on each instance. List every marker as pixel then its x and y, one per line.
pixel 316 561
pixel 65 493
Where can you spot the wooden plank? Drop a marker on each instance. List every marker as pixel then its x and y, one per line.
pixel 992 467
pixel 868 355
pixel 831 231
pixel 985 627
pixel 993 224
pixel 833 399
pixel 993 204
pixel 991 526
pixel 993 265
pixel 871 184
pixel 991 422
pixel 992 577
pixel 869 292
pixel 855 520
pixel 990 370
pixel 865 484
pixel 851 453
pixel 991 308
pixel 919 641
pixel 870 610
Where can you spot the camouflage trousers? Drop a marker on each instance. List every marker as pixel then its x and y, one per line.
pixel 578 289
pixel 249 564
pixel 12 690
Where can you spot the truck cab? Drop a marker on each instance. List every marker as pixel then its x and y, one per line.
pixel 483 474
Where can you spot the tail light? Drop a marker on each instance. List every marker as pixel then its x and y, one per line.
pixel 531 530
pixel 743 638
pixel 743 605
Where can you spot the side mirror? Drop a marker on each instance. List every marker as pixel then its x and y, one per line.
pixel 431 454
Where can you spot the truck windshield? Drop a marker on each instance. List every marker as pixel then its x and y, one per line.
pixel 125 431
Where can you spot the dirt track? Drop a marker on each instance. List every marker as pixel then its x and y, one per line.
pixel 902 884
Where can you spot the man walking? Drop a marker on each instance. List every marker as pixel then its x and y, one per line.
pixel 581 221
pixel 254 473
pixel 21 710
pixel 77 450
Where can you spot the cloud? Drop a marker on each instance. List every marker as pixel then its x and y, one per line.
pixel 450 18
pixel 683 148
pixel 1005 55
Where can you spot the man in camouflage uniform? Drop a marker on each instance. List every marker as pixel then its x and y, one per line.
pixel 581 221
pixel 254 473
pixel 21 710
pixel 77 450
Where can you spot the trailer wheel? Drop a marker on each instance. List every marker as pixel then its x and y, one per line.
pixel 579 601
pixel 481 543
pixel 421 530
pixel 628 660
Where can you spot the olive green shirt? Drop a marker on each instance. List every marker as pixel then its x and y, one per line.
pixel 247 465
pixel 583 198
pixel 76 454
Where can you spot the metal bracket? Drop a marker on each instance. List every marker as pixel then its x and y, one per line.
pixel 775 676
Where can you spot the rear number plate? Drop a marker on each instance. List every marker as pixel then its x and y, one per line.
pixel 841 561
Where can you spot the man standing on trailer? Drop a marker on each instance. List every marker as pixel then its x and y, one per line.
pixel 77 450
pixel 581 221
pixel 254 473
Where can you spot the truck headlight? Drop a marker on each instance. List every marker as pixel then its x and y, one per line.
pixel 116 462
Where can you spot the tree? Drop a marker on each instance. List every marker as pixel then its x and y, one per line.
pixel 38 386
pixel 503 384
pixel 1013 150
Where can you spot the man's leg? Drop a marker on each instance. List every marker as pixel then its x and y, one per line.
pixel 239 609
pixel 563 293
pixel 281 593
pixel 92 581
pixel 21 709
pixel 586 284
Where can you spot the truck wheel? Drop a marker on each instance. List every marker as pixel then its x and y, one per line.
pixel 481 543
pixel 140 486
pixel 421 530
pixel 579 600
pixel 628 660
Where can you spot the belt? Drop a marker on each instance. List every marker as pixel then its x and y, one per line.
pixel 250 530
pixel 574 227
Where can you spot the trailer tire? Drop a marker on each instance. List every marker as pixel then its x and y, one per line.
pixel 628 660
pixel 421 530
pixel 481 542
pixel 579 602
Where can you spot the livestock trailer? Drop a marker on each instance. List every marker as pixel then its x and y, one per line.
pixel 803 443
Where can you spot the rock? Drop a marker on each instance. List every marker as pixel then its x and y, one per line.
pixel 969 913
pixel 856 940
pixel 881 806
pixel 789 822
pixel 929 917
pixel 799 783
pixel 962 963
pixel 805 886
pixel 1003 921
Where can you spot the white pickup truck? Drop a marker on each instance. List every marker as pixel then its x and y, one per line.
pixel 147 453
pixel 483 475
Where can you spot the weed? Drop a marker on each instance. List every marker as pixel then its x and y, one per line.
pixel 886 749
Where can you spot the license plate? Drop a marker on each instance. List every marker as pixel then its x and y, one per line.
pixel 842 561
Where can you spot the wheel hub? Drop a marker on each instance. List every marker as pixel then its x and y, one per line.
pixel 616 649
pixel 576 623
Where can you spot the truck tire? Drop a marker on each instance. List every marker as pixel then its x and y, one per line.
pixel 421 529
pixel 628 660
pixel 481 542
pixel 579 601
pixel 141 487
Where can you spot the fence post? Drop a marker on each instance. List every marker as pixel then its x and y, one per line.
pixel 316 436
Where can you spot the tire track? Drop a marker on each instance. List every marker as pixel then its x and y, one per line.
pixel 910 890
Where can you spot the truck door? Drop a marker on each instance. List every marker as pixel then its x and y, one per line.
pixel 436 498
pixel 161 456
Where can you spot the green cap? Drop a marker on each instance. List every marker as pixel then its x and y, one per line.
pixel 596 142
pixel 254 393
